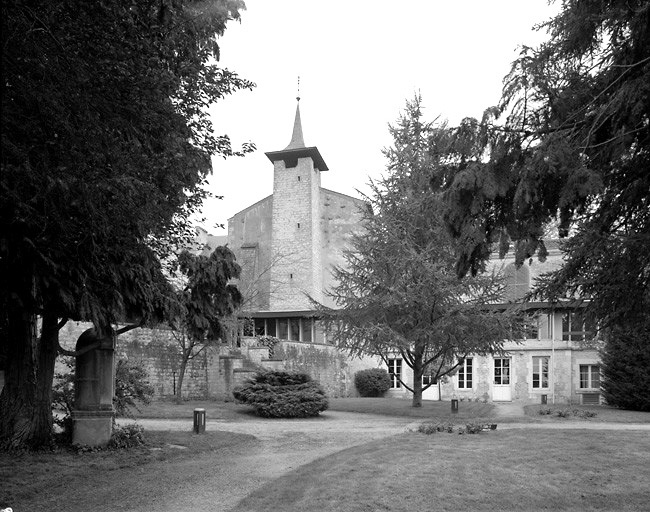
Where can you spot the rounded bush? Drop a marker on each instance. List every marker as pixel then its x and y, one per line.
pixel 372 382
pixel 277 394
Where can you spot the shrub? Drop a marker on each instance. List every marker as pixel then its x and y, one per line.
pixel 128 436
pixel 372 382
pixel 131 386
pixel 277 394
pixel 470 428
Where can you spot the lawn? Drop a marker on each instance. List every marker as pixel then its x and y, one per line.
pixel 87 481
pixel 527 469
pixel 169 409
pixel 434 410
pixel 496 470
pixel 217 410
pixel 431 409
pixel 382 406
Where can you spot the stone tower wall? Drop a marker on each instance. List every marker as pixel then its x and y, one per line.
pixel 296 236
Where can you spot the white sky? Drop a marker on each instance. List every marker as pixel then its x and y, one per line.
pixel 358 62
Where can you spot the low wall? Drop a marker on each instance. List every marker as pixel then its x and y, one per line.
pixel 333 368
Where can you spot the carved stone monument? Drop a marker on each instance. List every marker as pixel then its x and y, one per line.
pixel 94 389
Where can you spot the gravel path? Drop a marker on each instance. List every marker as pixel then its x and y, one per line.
pixel 283 446
pixel 218 483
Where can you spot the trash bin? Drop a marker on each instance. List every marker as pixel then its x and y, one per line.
pixel 454 405
pixel 544 399
pixel 199 421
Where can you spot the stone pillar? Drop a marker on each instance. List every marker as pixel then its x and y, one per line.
pixel 94 389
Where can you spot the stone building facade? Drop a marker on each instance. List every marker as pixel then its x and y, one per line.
pixel 557 362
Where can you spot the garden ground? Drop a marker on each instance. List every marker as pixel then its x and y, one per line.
pixel 348 460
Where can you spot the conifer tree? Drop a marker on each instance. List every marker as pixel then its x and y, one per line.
pixel 106 148
pixel 398 294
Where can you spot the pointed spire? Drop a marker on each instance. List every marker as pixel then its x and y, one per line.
pixel 296 148
pixel 297 140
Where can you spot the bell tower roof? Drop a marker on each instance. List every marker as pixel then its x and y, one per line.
pixel 296 148
pixel 297 140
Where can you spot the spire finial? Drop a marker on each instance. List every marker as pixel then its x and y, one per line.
pixel 297 140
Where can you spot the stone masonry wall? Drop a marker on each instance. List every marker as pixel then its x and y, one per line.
pixel 295 238
pixel 157 350
pixel 325 363
pixel 340 217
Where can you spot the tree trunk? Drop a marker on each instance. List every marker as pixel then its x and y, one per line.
pixel 26 399
pixel 417 384
pixel 181 375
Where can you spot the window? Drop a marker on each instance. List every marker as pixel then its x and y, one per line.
pixel 517 282
pixel 294 329
pixel 426 380
pixel 589 376
pixel 283 328
pixel 502 371
pixel 395 372
pixel 529 327
pixel 544 326
pixel 540 372
pixel 306 329
pixel 465 374
pixel 259 326
pixel 532 327
pixel 270 327
pixel 577 327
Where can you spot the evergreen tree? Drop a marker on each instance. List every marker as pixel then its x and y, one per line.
pixel 398 294
pixel 575 151
pixel 625 363
pixel 106 146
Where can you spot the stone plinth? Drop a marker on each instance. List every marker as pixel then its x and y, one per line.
pixel 92 428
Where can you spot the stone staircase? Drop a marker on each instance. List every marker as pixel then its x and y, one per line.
pixel 236 366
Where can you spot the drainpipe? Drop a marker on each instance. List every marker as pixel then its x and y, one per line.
pixel 553 356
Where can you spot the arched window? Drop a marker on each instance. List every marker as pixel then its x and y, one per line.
pixel 517 282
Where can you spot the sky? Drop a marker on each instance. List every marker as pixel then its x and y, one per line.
pixel 359 61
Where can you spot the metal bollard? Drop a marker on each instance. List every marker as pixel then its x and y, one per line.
pixel 454 405
pixel 199 421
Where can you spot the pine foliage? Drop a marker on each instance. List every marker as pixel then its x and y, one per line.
pixel 398 294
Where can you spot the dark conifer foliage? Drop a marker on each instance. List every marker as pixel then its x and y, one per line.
pixel 574 151
pixel 626 359
pixel 106 148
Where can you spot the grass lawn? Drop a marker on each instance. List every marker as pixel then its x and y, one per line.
pixel 499 470
pixel 66 480
pixel 214 410
pixel 382 406
pixel 431 409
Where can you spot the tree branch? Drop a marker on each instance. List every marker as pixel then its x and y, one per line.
pixel 75 353
pixel 127 328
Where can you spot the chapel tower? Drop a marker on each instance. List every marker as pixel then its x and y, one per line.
pixel 296 238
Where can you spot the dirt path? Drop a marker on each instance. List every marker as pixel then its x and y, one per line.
pixel 218 482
